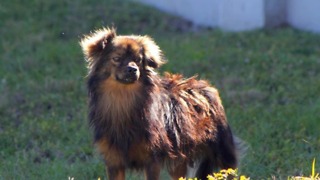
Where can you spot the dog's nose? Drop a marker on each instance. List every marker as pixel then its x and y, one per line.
pixel 131 69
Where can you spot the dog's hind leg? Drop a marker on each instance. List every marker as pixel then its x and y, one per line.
pixel 116 173
pixel 152 171
pixel 178 170
pixel 205 167
pixel 221 153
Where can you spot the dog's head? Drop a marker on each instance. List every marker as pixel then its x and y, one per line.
pixel 122 58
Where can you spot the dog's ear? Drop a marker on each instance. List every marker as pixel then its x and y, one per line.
pixel 94 43
pixel 152 53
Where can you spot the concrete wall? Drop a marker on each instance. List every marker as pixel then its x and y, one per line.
pixel 242 15
pixel 201 12
pixel 195 11
pixel 230 15
pixel 304 14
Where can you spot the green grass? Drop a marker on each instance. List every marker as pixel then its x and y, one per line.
pixel 269 81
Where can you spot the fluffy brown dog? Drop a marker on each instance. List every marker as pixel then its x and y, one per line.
pixel 144 121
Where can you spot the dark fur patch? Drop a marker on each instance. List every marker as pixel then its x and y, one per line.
pixel 152 120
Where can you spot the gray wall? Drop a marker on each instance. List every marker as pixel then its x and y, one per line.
pixel 242 15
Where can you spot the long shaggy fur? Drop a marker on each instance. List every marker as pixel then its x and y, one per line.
pixel 144 121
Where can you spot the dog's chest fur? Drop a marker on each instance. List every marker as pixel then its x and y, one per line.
pixel 124 134
pixel 118 101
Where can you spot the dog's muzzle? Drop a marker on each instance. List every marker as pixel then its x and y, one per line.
pixel 130 75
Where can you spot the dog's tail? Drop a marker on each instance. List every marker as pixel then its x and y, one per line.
pixel 241 148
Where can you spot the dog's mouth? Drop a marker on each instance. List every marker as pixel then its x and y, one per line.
pixel 127 74
pixel 127 79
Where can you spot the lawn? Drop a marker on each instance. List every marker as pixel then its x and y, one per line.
pixel 269 81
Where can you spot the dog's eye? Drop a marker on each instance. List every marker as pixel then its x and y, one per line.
pixel 116 59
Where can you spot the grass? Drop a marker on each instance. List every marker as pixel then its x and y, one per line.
pixel 269 81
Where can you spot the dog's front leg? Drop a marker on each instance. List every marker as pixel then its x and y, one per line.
pixel 115 173
pixel 152 171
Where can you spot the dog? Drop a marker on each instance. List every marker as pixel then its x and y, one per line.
pixel 144 121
